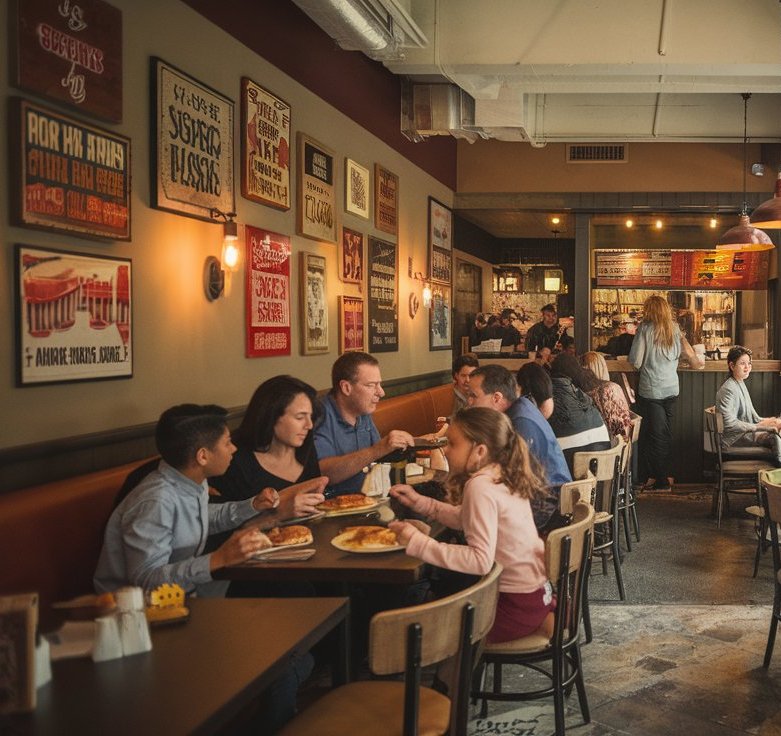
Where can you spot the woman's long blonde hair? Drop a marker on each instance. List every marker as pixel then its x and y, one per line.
pixel 595 362
pixel 657 311
pixel 518 469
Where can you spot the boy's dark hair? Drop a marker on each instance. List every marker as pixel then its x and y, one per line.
pixel 549 308
pixel 535 382
pixel 184 429
pixel 345 367
pixel 463 360
pixel 498 378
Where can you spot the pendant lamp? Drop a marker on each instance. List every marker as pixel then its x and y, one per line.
pixel 743 235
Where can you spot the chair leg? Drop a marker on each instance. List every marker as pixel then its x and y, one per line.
pixel 617 565
pixel 757 555
pixel 719 502
pixel 771 636
pixel 580 685
pixel 557 671
pixel 586 610
pixel 626 523
pixel 635 522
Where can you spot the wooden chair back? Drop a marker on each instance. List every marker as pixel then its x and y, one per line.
pixel 582 523
pixel 605 466
pixel 577 490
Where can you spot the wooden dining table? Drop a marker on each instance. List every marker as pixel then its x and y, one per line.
pixel 199 675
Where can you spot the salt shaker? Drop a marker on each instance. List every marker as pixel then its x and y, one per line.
pixel 133 626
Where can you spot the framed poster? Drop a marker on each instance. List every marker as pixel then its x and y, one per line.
pixel 350 323
pixel 192 142
pixel 351 256
pixel 73 316
pixel 382 268
pixel 356 189
pixel 70 52
pixel 265 146
pixel 268 293
pixel 440 319
pixel 386 200
pixel 314 305
pixel 316 190
pixel 72 177
pixel 440 241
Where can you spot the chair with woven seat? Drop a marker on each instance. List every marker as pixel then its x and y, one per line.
pixel 770 485
pixel 627 506
pixel 567 552
pixel 404 641
pixel 733 464
pixel 607 467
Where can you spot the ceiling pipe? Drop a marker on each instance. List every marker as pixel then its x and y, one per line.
pixel 664 26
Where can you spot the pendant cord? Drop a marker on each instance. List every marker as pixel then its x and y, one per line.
pixel 746 97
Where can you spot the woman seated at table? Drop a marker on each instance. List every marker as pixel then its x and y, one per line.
pixel 575 421
pixel 276 449
pixel 607 396
pixel 743 427
pixel 535 384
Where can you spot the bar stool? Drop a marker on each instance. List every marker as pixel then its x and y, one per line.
pixel 626 495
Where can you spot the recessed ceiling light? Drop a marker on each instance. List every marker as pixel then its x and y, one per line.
pixel 658 224
pixel 555 220
pixel 714 223
pixel 630 223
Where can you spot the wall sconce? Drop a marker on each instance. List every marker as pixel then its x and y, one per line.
pixel 426 295
pixel 213 278
pixel 230 249
pixel 552 279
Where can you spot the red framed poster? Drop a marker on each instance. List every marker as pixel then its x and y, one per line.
pixel 351 324
pixel 268 293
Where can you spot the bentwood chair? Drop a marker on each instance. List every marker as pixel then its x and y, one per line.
pixel 567 552
pixel 404 641
pixel 627 506
pixel 770 485
pixel 733 465
pixel 575 491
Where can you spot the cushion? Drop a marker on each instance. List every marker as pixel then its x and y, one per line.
pixel 535 642
pixel 747 467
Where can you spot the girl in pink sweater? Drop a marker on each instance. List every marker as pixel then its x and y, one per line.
pixel 491 474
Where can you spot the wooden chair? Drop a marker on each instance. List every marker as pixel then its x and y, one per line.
pixel 607 467
pixel 567 552
pixel 734 464
pixel 577 490
pixel 627 507
pixel 770 484
pixel 404 641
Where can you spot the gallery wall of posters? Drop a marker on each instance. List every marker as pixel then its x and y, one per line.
pixel 70 52
pixel 440 239
pixel 314 305
pixel 386 200
pixel 356 189
pixel 73 177
pixel 265 146
pixel 73 317
pixel 192 133
pixel 350 324
pixel 440 318
pixel 382 267
pixel 316 190
pixel 268 293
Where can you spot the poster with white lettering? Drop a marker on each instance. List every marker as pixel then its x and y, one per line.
pixel 70 51
pixel 73 177
pixel 265 146
pixel 268 293
pixel 383 297
pixel 350 324
pixel 386 200
pixel 316 190
pixel 73 317
pixel 192 131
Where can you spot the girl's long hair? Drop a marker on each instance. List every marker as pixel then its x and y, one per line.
pixel 656 310
pixel 518 469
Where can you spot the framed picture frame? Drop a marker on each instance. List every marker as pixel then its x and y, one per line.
pixel 314 305
pixel 441 318
pixel 351 330
pixel 386 200
pixel 382 291
pixel 73 178
pixel 73 316
pixel 351 258
pixel 70 53
pixel 440 241
pixel 265 146
pixel 356 189
pixel 316 190
pixel 268 293
pixel 192 145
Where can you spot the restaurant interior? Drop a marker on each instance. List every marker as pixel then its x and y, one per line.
pixel 201 196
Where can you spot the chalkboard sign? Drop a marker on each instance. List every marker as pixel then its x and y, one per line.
pixel 383 297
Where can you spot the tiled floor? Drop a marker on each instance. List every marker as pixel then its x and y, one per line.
pixel 683 655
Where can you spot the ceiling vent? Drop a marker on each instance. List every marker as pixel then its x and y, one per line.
pixel 436 109
pixel 589 153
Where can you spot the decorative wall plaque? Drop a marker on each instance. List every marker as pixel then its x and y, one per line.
pixel 316 190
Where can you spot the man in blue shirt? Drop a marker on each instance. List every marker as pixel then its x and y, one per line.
pixel 346 440
pixel 493 386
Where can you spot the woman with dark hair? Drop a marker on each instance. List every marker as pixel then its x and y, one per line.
pixel 743 427
pixel 575 421
pixel 607 396
pixel 535 384
pixel 276 449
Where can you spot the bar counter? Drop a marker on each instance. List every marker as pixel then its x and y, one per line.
pixel 698 389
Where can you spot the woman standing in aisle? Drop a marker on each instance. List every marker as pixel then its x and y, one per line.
pixel 655 351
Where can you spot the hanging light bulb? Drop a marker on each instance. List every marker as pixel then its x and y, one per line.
pixel 714 223
pixel 427 296
pixel 743 235
pixel 230 236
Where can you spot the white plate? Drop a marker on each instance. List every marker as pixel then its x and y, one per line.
pixel 373 550
pixel 280 548
pixel 350 512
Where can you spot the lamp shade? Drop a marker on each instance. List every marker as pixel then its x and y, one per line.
pixel 768 214
pixel 743 234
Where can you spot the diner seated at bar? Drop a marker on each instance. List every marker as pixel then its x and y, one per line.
pixel 395 367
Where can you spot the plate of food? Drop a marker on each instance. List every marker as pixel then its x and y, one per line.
pixel 351 503
pixel 286 537
pixel 367 540
pixel 300 519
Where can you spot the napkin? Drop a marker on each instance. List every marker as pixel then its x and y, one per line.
pixel 377 480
